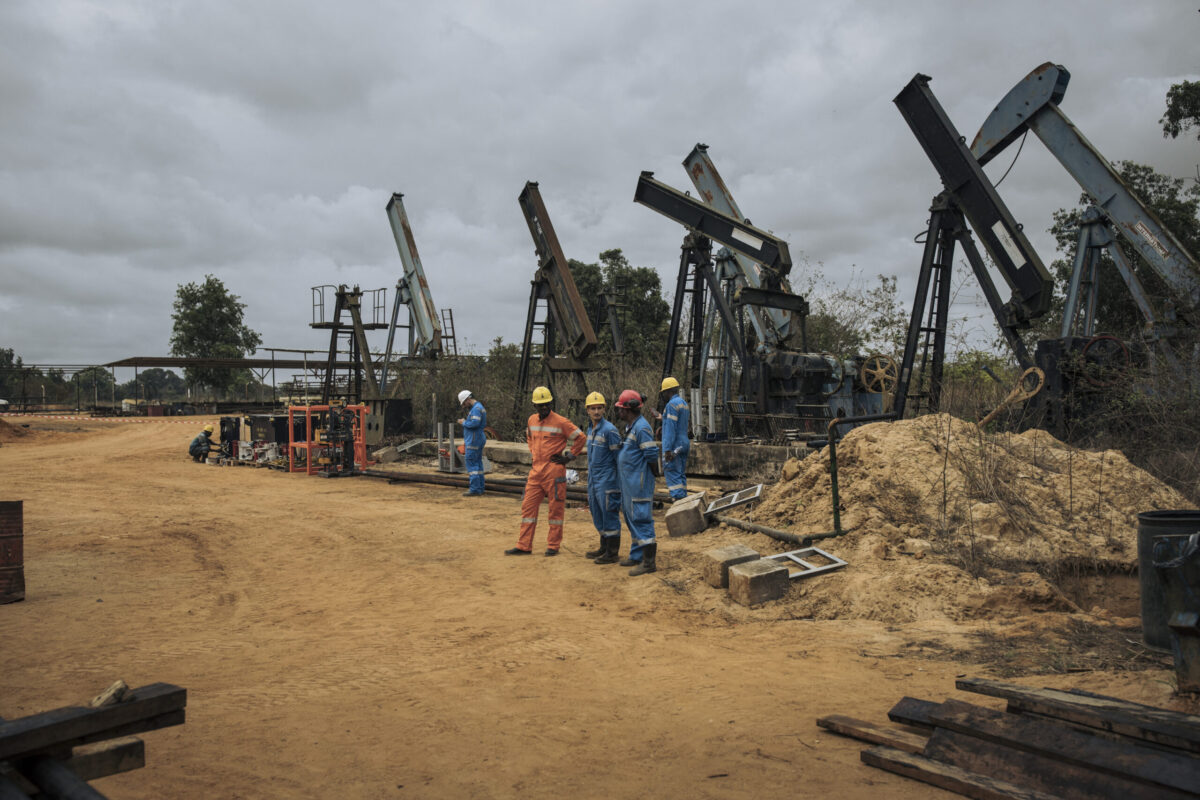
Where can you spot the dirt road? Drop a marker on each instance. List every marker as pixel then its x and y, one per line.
pixel 357 639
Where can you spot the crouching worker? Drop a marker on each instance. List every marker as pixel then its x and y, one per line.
pixel 200 446
pixel 637 464
pixel 603 485
pixel 553 442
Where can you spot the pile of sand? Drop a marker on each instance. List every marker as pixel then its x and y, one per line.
pixel 10 432
pixel 943 520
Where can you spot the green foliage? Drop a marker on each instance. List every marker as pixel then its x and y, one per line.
pixel 1183 109
pixel 154 383
pixel 857 318
pixel 94 380
pixel 644 315
pixel 209 324
pixel 10 373
pixel 1177 204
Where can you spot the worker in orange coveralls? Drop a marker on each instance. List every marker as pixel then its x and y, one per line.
pixel 553 442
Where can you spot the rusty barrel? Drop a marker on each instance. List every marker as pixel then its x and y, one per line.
pixel 1175 526
pixel 12 551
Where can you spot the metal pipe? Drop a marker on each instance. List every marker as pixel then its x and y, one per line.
pixel 782 536
pixel 833 483
pixel 505 485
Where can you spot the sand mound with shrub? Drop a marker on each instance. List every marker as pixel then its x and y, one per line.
pixel 943 520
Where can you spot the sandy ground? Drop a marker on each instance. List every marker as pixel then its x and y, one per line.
pixel 358 639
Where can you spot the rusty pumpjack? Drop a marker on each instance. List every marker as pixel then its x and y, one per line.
pixel 564 323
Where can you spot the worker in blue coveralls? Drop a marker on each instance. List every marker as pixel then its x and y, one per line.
pixel 473 438
pixel 675 443
pixel 603 484
pixel 637 464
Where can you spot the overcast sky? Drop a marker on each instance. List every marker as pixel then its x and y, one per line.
pixel 146 144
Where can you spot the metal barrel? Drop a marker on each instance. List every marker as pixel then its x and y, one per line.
pixel 1176 525
pixel 12 557
pixel 1180 577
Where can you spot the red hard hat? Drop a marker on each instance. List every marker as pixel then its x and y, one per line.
pixel 629 399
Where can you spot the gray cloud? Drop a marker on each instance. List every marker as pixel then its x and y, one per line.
pixel 145 145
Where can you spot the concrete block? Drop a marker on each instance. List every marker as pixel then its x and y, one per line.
pixel 686 517
pixel 757 582
pixel 718 561
pixel 386 455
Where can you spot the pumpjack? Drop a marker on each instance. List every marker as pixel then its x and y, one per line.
pixel 370 382
pixel 563 320
pixel 735 314
pixel 1080 360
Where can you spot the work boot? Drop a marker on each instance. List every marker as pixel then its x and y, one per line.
pixel 550 553
pixel 516 551
pixel 629 562
pixel 599 551
pixel 472 494
pixel 647 565
pixel 612 548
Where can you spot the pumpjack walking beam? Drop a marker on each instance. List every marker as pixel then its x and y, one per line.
pixel 1032 105
pixel 755 244
pixel 969 197
pixel 773 325
pixel 425 330
pixel 567 317
pixel 976 196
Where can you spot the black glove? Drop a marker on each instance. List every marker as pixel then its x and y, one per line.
pixel 558 458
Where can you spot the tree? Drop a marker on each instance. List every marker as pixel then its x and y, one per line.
pixel 209 324
pixel 1183 109
pixel 854 319
pixel 644 315
pixel 154 383
pixel 1177 204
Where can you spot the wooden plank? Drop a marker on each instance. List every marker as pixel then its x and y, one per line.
pixel 1158 725
pixel 10 790
pixel 138 726
pixel 1065 745
pixel 92 761
pixel 911 711
pixel 56 781
pixel 75 724
pixel 1036 771
pixel 875 734
pixel 946 776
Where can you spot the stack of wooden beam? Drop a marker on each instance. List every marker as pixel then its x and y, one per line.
pixel 1047 744
pixel 55 753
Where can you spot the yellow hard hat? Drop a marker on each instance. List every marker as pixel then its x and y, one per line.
pixel 594 399
pixel 542 395
pixel 669 383
pixel 209 427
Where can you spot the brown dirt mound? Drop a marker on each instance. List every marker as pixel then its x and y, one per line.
pixel 946 521
pixel 10 432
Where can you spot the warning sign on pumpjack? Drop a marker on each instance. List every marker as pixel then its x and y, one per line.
pixel 1010 247
pixel 1145 233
